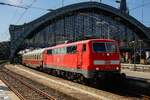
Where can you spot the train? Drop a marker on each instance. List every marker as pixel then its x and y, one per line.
pixel 86 59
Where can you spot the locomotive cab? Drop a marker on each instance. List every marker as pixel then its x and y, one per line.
pixel 104 58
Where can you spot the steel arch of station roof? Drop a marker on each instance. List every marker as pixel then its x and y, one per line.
pixel 28 28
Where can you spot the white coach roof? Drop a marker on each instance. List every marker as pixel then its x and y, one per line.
pixel 38 51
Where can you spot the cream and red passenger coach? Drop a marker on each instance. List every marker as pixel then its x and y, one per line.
pixel 91 58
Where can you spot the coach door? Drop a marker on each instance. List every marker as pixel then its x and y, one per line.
pixel 79 56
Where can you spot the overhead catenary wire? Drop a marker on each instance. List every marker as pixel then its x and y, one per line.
pixel 26 11
pixel 15 13
pixel 7 4
pixel 5 32
pixel 142 5
pixel 24 7
pixel 142 11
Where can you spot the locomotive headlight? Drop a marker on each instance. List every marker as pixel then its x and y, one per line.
pixel 108 54
pixel 117 68
pixel 97 68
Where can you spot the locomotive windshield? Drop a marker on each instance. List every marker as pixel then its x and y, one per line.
pixel 104 47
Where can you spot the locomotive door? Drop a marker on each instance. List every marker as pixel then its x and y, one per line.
pixel 79 57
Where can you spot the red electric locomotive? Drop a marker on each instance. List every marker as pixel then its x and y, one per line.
pixel 93 58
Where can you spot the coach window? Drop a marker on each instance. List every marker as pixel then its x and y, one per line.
pixel 37 57
pixel 84 47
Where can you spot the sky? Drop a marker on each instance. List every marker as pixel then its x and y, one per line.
pixel 12 15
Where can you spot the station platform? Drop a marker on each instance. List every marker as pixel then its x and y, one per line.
pixel 137 75
pixel 6 93
pixel 142 71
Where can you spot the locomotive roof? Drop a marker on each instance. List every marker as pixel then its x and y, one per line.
pixel 83 41
pixel 39 51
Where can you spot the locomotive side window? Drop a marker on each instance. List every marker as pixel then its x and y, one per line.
pixel 84 47
pixel 57 51
pixel 72 49
pixel 99 47
pixel 63 50
pixel 49 51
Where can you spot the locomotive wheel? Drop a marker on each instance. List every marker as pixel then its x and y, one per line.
pixel 82 79
pixel 40 68
pixel 54 72
pixel 123 75
pixel 69 75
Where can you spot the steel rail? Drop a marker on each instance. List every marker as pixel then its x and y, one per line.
pixel 13 89
pixel 31 87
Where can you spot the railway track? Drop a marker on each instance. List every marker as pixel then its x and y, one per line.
pixel 24 88
pixel 73 90
pixel 129 89
pixel 3 62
